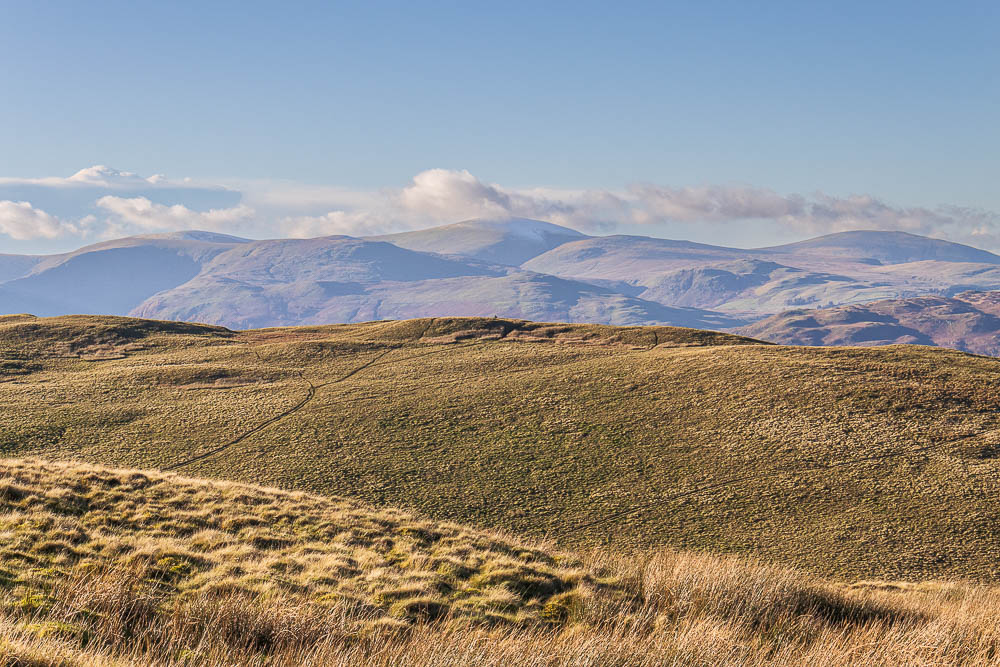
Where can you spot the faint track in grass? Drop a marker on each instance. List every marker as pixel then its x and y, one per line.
pixel 240 438
pixel 310 395
pixel 313 388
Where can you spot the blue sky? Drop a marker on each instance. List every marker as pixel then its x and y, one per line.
pixel 896 100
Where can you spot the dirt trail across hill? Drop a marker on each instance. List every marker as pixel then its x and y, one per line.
pixel 310 395
pixel 313 388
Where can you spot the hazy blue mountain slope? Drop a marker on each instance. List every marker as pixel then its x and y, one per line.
pixel 342 279
pixel 111 282
pixel 108 278
pixel 16 266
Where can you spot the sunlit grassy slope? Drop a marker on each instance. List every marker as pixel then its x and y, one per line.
pixel 106 566
pixel 219 538
pixel 849 462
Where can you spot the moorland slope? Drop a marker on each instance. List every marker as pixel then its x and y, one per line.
pixel 856 462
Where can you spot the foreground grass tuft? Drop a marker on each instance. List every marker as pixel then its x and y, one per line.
pixel 189 538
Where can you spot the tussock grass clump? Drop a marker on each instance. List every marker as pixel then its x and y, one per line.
pixel 190 538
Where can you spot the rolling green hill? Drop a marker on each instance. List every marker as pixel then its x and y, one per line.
pixel 849 462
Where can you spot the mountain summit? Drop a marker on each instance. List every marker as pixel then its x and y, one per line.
pixel 886 248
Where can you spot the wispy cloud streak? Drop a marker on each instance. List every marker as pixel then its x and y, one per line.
pixel 119 203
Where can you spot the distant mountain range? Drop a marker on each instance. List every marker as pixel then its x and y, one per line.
pixel 510 268
pixel 850 267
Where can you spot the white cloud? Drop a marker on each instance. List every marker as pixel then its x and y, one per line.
pixel 818 213
pixel 710 203
pixel 102 176
pixel 142 214
pixel 358 223
pixel 824 213
pixel 108 177
pixel 103 202
pixel 21 221
pixel 444 195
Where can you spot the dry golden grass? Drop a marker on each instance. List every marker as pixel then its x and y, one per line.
pixel 121 567
pixel 196 537
pixel 856 463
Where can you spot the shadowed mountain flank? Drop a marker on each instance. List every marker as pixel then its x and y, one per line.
pixel 969 321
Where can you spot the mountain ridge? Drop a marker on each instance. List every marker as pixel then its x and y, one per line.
pixel 888 247
pixel 621 279
pixel 502 240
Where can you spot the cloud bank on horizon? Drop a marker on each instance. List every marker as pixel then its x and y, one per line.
pixel 99 203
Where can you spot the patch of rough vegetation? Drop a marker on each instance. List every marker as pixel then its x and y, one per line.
pixel 196 537
pixel 90 336
pixel 122 567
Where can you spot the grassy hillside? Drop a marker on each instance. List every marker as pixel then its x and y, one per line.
pixel 124 567
pixel 848 462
